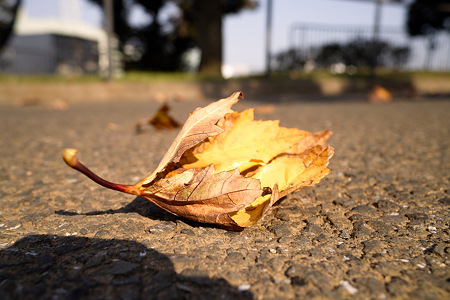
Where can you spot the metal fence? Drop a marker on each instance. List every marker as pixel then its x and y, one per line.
pixel 327 46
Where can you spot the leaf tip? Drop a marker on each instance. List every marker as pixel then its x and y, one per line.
pixel 236 96
pixel 70 157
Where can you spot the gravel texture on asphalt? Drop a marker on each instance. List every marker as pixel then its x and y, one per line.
pixel 377 227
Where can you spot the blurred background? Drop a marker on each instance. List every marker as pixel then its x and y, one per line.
pixel 224 38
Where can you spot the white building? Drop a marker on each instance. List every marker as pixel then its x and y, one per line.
pixel 62 45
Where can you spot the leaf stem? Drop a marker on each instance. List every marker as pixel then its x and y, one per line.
pixel 70 157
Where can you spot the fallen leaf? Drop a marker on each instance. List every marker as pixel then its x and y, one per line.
pixel 379 95
pixel 58 104
pixel 161 120
pixel 227 169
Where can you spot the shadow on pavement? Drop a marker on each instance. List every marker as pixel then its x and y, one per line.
pixel 259 89
pixel 55 267
pixel 312 89
pixel 139 205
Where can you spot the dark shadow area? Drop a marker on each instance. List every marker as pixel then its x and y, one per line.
pixel 402 87
pixel 439 96
pixel 267 90
pixel 139 205
pixel 337 89
pixel 143 207
pixel 54 267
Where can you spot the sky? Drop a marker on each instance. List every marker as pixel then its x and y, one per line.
pixel 244 33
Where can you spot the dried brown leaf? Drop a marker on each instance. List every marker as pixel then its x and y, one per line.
pixel 226 169
pixel 161 120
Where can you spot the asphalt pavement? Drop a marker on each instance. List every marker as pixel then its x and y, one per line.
pixel 377 227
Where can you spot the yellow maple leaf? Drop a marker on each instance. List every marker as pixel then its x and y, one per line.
pixel 246 143
pixel 289 172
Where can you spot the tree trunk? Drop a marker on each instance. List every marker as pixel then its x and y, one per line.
pixel 7 24
pixel 209 36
